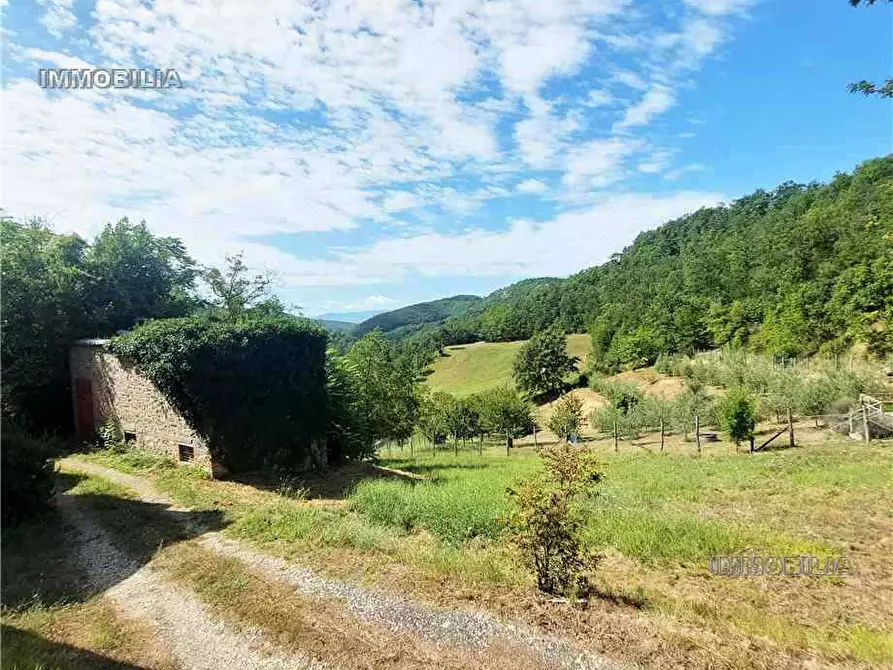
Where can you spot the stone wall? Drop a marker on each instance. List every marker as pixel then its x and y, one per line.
pixel 121 395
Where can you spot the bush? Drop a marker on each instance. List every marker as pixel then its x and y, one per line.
pixel 254 390
pixel 27 472
pixel 738 415
pixel 547 521
pixel 566 417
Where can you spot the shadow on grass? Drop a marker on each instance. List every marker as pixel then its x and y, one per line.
pixel 334 484
pixel 25 650
pixel 41 562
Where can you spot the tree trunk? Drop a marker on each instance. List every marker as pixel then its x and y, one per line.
pixel 456 447
pixel 615 435
pixel 535 443
pixel 751 444
pixel 661 433
pixel 508 444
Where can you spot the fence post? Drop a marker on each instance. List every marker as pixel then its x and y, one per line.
pixel 615 434
pixel 790 428
pixel 535 443
pixel 698 432
pixel 865 424
pixel 661 433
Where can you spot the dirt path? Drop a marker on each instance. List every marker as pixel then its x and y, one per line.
pixel 194 639
pixel 457 629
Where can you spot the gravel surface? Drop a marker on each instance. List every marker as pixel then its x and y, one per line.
pixel 442 628
pixel 195 639
pixel 462 628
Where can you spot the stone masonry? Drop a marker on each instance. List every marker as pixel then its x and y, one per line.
pixel 104 389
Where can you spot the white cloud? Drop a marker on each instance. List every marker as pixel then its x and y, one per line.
pixel 673 175
pixel 720 7
pixel 568 243
pixel 532 186
pixel 598 163
pixel 657 100
pixel 386 129
pixel 657 162
pixel 598 98
pixel 58 17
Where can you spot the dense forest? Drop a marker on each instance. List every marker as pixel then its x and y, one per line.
pixel 793 271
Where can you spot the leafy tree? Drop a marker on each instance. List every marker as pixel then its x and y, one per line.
pixel 385 385
pixel 738 415
pixel 134 275
pixel 866 87
pixel 506 413
pixel 58 288
pixel 567 417
pixel 235 288
pixel 542 362
pixel 547 520
pixel 433 416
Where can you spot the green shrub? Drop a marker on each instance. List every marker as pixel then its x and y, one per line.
pixel 254 389
pixel 567 416
pixel 547 522
pixel 738 415
pixel 27 472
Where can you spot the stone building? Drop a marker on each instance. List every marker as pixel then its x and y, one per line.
pixel 104 390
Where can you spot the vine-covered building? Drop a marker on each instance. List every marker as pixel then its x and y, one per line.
pixel 107 392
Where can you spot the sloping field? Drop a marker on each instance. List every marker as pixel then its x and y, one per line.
pixel 471 368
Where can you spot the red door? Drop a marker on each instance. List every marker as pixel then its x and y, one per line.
pixel 84 392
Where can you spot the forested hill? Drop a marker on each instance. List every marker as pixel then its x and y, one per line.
pixel 794 270
pixel 414 316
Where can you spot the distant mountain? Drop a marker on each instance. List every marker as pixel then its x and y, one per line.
pixel 336 326
pixel 349 317
pixel 414 316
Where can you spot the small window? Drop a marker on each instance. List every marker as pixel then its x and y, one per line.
pixel 129 437
pixel 187 453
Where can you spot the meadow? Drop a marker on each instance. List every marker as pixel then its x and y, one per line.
pixel 657 520
pixel 472 368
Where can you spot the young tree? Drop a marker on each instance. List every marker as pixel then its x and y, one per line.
pixel 385 385
pixel 235 289
pixel 433 420
pixel 547 520
pixel 506 413
pixel 542 362
pixel 566 417
pixel 738 415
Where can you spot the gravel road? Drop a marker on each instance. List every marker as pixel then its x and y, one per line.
pixel 442 628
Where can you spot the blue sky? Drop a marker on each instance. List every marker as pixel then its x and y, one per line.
pixel 375 153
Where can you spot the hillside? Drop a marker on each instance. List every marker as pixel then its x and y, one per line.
pixel 471 368
pixel 791 271
pixel 413 316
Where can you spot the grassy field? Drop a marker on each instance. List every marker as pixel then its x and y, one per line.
pixel 658 520
pixel 471 368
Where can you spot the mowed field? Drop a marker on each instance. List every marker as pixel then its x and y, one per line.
pixel 436 538
pixel 472 368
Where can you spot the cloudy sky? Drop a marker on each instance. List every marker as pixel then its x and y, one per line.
pixel 374 153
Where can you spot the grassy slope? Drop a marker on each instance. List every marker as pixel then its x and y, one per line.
pixel 472 368
pixel 658 520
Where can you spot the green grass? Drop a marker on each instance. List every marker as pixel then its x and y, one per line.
pixel 657 517
pixel 649 507
pixel 472 368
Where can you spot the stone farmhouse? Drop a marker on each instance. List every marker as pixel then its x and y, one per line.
pixel 106 391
